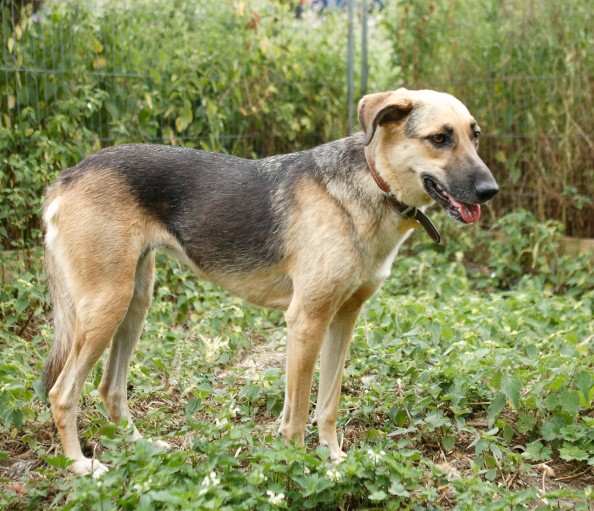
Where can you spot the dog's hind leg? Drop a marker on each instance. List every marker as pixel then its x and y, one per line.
pixel 98 315
pixel 113 386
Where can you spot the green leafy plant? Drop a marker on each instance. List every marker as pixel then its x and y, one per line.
pixel 453 389
pixel 79 77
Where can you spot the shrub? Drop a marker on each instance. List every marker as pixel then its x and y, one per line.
pixel 212 75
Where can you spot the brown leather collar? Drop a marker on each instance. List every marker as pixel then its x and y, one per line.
pixel 404 210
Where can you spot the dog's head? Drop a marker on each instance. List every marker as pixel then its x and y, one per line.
pixel 425 146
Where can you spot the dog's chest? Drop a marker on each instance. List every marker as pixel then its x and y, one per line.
pixel 384 246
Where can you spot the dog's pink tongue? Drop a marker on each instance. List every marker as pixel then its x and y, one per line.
pixel 470 212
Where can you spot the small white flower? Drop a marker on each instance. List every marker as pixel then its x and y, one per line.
pixel 306 470
pixel 211 480
pixel 375 456
pixel 334 475
pixel 99 484
pixel 275 499
pixel 234 410
pixel 144 487
pixel 221 423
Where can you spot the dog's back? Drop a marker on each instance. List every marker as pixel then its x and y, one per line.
pixel 219 208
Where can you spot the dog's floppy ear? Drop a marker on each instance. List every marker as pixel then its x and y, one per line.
pixel 377 109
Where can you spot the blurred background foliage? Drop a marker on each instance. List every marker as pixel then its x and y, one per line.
pixel 525 70
pixel 248 78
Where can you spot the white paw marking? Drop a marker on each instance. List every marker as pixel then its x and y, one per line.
pixel 86 466
pixel 160 444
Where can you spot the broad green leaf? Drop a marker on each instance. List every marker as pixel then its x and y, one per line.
pixel 448 442
pixel 583 381
pixel 570 401
pixel 525 423
pixel 536 451
pixel 512 388
pixel 398 490
pixel 60 461
pixel 97 46
pixel 495 408
pixel 192 406
pixel 312 484
pixel 550 428
pixel 378 495
pixel 572 452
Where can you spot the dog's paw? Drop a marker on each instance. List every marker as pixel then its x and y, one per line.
pixel 336 454
pixel 160 444
pixel 87 466
pixel 337 457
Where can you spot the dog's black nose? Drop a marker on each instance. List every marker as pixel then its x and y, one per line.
pixel 486 189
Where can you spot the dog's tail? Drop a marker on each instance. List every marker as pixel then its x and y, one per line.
pixel 63 306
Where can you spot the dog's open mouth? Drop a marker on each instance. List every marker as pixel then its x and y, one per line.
pixel 466 213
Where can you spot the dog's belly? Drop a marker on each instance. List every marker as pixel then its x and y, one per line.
pixel 263 288
pixel 266 287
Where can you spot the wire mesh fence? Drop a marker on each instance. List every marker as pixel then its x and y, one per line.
pixel 94 46
pixel 540 165
pixel 77 76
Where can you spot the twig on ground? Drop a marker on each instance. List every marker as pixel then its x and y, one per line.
pixel 477 424
pixel 24 327
pixel 573 476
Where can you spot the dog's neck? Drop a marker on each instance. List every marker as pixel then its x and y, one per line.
pixel 404 210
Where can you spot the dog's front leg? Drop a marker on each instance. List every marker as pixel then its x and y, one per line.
pixel 306 331
pixel 332 358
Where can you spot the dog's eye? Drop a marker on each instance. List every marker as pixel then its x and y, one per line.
pixel 438 139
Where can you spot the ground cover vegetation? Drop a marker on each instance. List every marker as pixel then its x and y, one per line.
pixel 469 385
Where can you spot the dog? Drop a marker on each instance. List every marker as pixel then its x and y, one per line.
pixel 314 233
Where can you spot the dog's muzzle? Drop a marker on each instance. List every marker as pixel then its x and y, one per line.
pixel 462 202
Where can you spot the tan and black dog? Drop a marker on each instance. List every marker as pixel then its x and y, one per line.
pixel 313 232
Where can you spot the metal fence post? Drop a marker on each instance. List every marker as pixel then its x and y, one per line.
pixel 351 67
pixel 364 65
